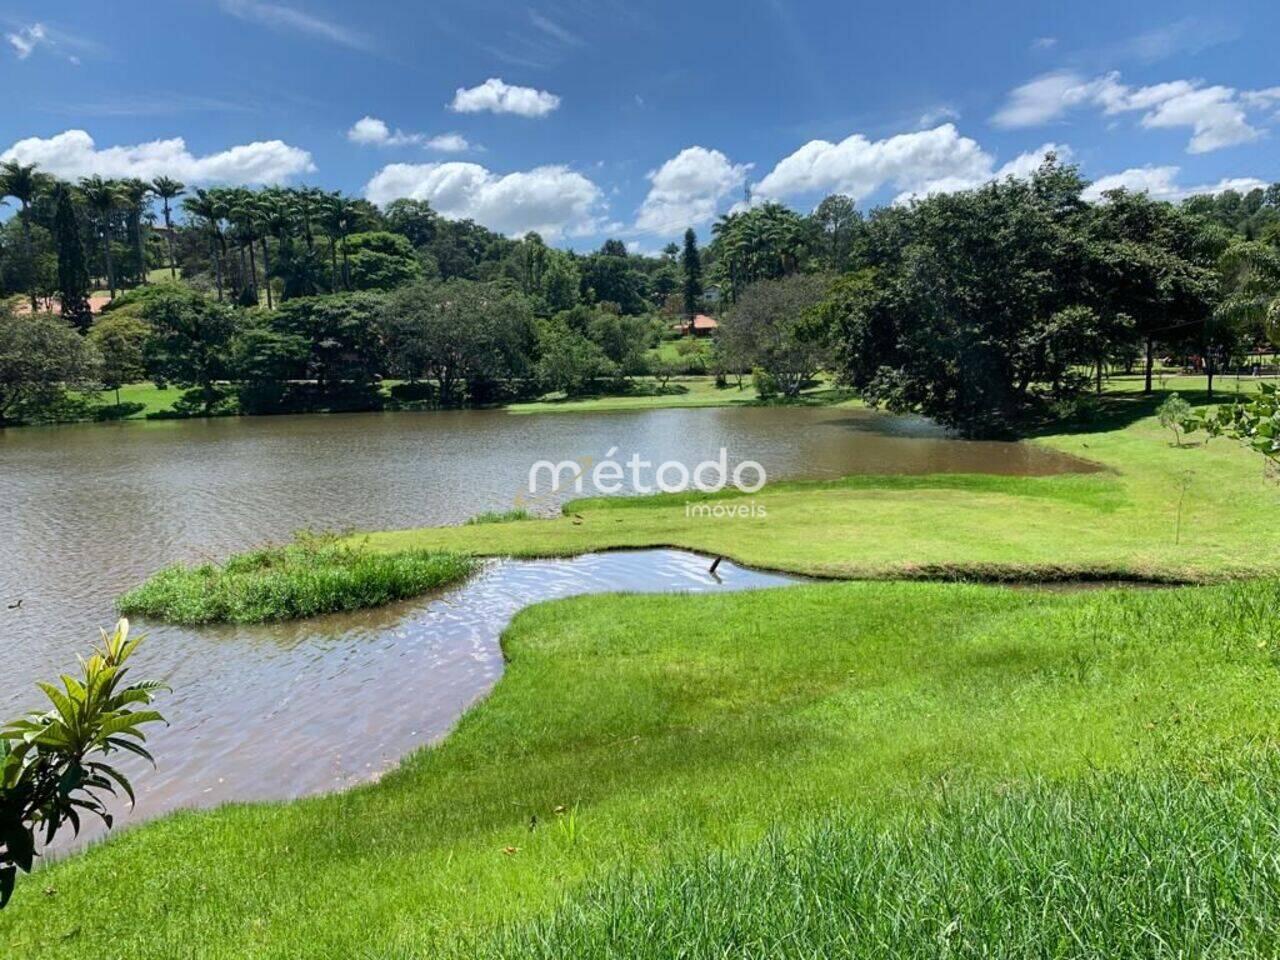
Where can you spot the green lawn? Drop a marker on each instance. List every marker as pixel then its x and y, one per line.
pixel 1121 522
pixel 634 735
pixel 154 399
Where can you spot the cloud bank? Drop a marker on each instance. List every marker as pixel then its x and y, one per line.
pixel 73 154
pixel 554 200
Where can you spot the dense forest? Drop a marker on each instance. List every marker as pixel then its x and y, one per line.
pixel 981 308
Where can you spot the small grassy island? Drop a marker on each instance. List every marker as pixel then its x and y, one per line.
pixel 312 576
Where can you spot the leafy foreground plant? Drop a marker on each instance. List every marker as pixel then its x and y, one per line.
pixel 313 575
pixel 47 778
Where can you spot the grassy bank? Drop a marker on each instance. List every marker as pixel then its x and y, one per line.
pixel 1032 870
pixel 646 393
pixel 1157 511
pixel 312 576
pixel 635 734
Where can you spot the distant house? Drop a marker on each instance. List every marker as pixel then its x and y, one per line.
pixel 700 326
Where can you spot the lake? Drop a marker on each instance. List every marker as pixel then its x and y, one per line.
pixel 276 711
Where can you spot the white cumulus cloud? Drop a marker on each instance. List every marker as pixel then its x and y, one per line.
pixel 910 162
pixel 497 96
pixel 73 154
pixel 448 143
pixel 370 131
pixel 687 190
pixel 1161 183
pixel 1216 115
pixel 555 201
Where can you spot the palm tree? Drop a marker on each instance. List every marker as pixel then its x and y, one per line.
pixel 276 214
pixel 339 223
pixel 103 198
pixel 23 183
pixel 207 206
pixel 134 194
pixel 1249 274
pixel 168 189
pixel 243 214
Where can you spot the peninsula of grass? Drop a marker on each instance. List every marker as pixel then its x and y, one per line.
pixel 817 770
pixel 1153 511
pixel 312 576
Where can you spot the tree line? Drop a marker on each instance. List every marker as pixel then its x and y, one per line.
pixel 982 309
pixel 991 308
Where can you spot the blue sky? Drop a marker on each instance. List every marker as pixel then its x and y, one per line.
pixel 587 118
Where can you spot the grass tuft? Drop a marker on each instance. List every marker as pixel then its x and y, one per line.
pixel 312 576
pixel 497 516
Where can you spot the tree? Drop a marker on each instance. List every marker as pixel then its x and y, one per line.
pixel 209 209
pixel 771 326
pixel 838 222
pixel 49 771
pixel 40 357
pixel 413 219
pixel 568 361
pixel 23 183
pixel 1173 415
pixel 623 340
pixel 380 261
pixel 338 215
pixel 119 341
pixel 103 199
pixel 691 265
pixel 763 243
pixel 134 194
pixel 343 346
pixel 609 278
pixel 458 333
pixel 561 281
pixel 73 272
pixel 1153 263
pixel 168 189
pixel 967 317
pixel 1249 274
pixel 190 342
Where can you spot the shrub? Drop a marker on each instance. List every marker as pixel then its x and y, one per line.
pixel 315 574
pixel 47 775
pixel 1174 414
pixel 766 386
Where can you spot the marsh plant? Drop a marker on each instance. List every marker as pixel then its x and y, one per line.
pixel 313 575
pixel 51 773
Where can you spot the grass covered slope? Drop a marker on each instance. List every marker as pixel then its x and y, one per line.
pixel 311 576
pixel 1157 512
pixel 1036 870
pixel 634 733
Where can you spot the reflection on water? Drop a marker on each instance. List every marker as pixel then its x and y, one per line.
pixel 90 510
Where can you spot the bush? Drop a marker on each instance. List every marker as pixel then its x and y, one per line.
pixel 766 386
pixel 46 775
pixel 1173 415
pixel 316 574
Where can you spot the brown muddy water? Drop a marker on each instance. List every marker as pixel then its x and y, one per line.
pixel 278 711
